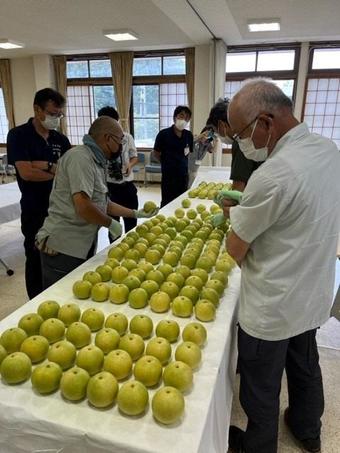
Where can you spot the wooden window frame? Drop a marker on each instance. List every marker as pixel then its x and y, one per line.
pixel 136 80
pixel 319 73
pixel 275 75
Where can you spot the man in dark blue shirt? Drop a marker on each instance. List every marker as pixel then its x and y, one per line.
pixel 34 149
pixel 171 148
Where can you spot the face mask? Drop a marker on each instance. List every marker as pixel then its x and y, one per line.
pixel 248 148
pixel 117 154
pixel 181 124
pixel 51 122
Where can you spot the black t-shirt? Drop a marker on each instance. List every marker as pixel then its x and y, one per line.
pixel 25 144
pixel 174 162
pixel 241 167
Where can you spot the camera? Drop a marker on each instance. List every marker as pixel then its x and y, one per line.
pixel 115 169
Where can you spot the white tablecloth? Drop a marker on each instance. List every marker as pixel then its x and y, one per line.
pixel 33 423
pixel 9 202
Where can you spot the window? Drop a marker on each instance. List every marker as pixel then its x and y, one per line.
pixel 279 64
pixel 322 97
pixel 162 65
pixel 153 109
pixel 287 86
pixel 84 69
pixel 173 65
pixel 241 62
pixel 147 66
pixel 3 119
pixel 145 114
pixel 159 87
pixel 89 89
pixel 83 103
pixel 326 59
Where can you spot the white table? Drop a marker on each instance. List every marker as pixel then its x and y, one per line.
pixel 9 202
pixel 9 209
pixel 32 423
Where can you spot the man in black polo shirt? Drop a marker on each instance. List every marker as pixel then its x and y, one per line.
pixel 34 149
pixel 171 148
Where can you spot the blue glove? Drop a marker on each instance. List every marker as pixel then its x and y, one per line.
pixel 140 213
pixel 115 229
pixel 234 195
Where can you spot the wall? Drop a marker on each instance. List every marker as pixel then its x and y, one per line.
pixel 23 88
pixel 301 80
pixel 28 76
pixel 203 93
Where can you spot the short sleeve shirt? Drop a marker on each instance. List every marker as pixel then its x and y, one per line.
pixel 25 144
pixel 78 171
pixel 129 151
pixel 174 152
pixel 241 167
pixel 289 215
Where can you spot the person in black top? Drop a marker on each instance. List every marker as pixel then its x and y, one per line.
pixel 172 146
pixel 241 167
pixel 34 149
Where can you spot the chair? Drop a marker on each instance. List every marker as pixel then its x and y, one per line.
pixel 141 165
pixel 5 169
pixel 154 167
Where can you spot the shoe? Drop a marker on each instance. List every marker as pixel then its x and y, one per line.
pixel 236 440
pixel 308 445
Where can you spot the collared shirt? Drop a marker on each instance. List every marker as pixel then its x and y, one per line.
pixel 77 171
pixel 129 151
pixel 25 144
pixel 174 151
pixel 290 217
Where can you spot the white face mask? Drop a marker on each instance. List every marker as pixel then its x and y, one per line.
pixel 181 124
pixel 248 148
pixel 51 122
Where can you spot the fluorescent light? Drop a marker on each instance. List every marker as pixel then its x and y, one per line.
pixel 7 44
pixel 120 35
pixel 264 25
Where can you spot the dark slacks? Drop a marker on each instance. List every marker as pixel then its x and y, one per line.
pixel 172 186
pixel 55 267
pixel 124 194
pixel 31 222
pixel 261 366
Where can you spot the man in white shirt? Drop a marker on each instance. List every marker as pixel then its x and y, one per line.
pixel 284 236
pixel 120 174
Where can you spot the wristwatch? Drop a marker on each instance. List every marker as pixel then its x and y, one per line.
pixel 49 167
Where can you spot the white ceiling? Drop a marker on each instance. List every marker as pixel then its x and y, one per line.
pixel 75 26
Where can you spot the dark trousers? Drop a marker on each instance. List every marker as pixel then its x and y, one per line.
pixel 124 194
pixel 261 366
pixel 55 267
pixel 31 222
pixel 172 187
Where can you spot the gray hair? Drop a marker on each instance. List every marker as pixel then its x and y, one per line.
pixel 104 125
pixel 261 95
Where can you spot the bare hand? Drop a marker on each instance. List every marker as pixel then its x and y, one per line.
pixel 127 171
pixel 227 203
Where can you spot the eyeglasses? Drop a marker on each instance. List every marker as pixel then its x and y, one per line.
pixel 59 115
pixel 118 140
pixel 238 137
